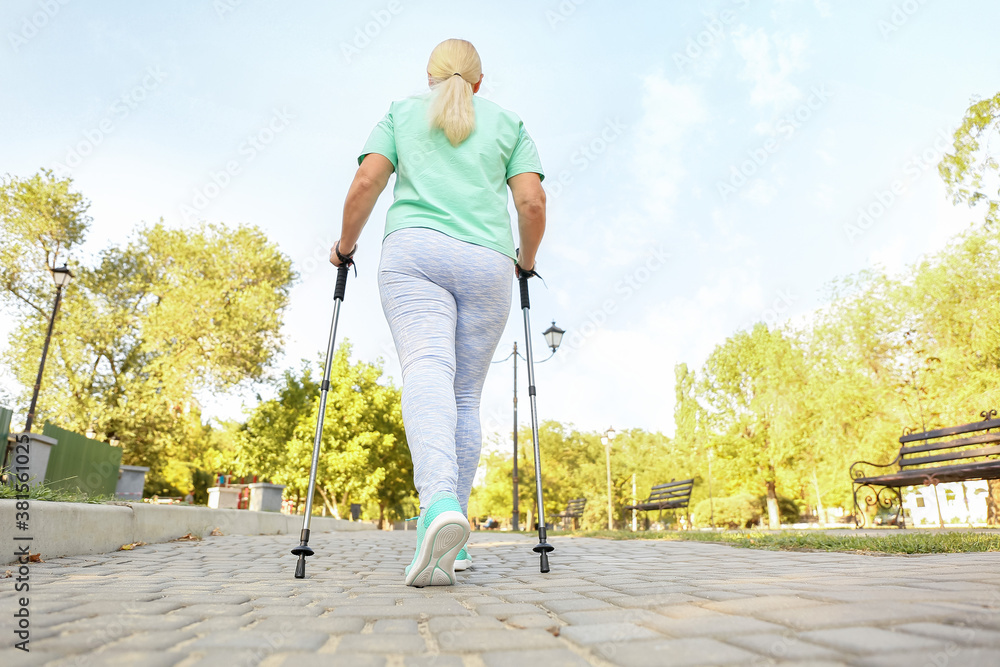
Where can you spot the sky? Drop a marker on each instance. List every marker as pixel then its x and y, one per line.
pixel 709 164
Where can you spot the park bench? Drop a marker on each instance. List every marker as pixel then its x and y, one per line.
pixel 929 458
pixel 574 510
pixel 670 496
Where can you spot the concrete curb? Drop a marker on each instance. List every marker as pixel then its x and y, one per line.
pixel 74 529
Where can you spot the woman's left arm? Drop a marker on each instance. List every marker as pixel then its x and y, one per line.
pixel 371 179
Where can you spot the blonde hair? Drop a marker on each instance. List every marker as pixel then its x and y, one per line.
pixel 451 106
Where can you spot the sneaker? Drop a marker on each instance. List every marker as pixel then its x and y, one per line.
pixel 441 534
pixel 462 561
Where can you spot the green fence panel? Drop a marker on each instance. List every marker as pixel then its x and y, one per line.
pixel 77 462
pixel 5 416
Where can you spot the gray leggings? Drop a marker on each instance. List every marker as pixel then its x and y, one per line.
pixel 447 303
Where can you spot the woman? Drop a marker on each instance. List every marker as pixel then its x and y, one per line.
pixel 445 276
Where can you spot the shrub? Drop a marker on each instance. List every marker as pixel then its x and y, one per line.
pixel 739 511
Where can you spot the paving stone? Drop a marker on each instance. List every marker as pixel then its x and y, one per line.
pixel 33 658
pixel 548 658
pixel 722 626
pixel 782 647
pixel 953 656
pixel 395 626
pixel 227 657
pixel 160 640
pixel 273 641
pixel 751 605
pixel 868 639
pixel 496 640
pixel 461 623
pixel 673 652
pixel 122 659
pixel 853 614
pixel 438 660
pixel 373 643
pixel 542 621
pixel 376 612
pixel 954 633
pixel 576 604
pixel 326 660
pixel 508 609
pixel 608 632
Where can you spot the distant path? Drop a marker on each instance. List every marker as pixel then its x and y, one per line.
pixel 231 601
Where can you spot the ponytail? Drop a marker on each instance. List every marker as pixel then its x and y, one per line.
pixel 453 68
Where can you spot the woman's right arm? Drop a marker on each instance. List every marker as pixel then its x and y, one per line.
pixel 369 182
pixel 529 200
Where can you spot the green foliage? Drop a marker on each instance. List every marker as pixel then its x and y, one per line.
pixel 364 457
pixel 145 325
pixel 739 511
pixel 574 465
pixel 971 171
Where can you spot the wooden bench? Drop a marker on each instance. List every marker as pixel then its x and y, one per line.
pixel 574 510
pixel 670 496
pixel 929 458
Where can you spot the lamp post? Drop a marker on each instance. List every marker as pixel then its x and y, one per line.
pixel 711 503
pixel 606 439
pixel 553 338
pixel 61 277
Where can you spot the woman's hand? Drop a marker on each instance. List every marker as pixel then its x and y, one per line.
pixel 335 259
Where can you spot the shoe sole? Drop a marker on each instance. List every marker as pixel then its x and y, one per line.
pixel 435 564
pixel 463 565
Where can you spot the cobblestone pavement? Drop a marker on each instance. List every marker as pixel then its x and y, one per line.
pixel 233 601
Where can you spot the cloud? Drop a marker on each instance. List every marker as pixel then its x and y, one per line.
pixel 669 113
pixel 769 62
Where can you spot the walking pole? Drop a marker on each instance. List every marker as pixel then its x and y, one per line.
pixel 542 548
pixel 303 549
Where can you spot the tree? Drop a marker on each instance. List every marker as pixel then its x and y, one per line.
pixel 970 173
pixel 41 221
pixel 753 384
pixel 363 458
pixel 145 326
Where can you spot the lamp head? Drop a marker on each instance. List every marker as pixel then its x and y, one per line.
pixel 553 336
pixel 61 276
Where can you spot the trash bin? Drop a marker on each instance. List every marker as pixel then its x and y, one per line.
pixel 131 480
pixel 355 512
pixel 266 497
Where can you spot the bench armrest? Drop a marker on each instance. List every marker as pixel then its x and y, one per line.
pixel 856 474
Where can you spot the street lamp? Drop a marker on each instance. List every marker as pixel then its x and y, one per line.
pixel 553 338
pixel 711 503
pixel 606 439
pixel 61 277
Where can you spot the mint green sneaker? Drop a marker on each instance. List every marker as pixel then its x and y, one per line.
pixel 441 532
pixel 462 561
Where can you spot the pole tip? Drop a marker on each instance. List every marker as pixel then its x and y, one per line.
pixel 300 567
pixel 544 557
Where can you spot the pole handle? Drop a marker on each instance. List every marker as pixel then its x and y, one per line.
pixel 338 292
pixel 523 280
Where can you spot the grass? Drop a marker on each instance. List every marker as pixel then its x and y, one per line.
pixel 46 492
pixel 891 543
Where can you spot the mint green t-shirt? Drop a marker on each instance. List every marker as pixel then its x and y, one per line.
pixel 459 190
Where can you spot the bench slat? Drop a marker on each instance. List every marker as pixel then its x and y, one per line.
pixel 950 456
pixel 952 430
pixel 948 444
pixel 670 484
pixel 953 473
